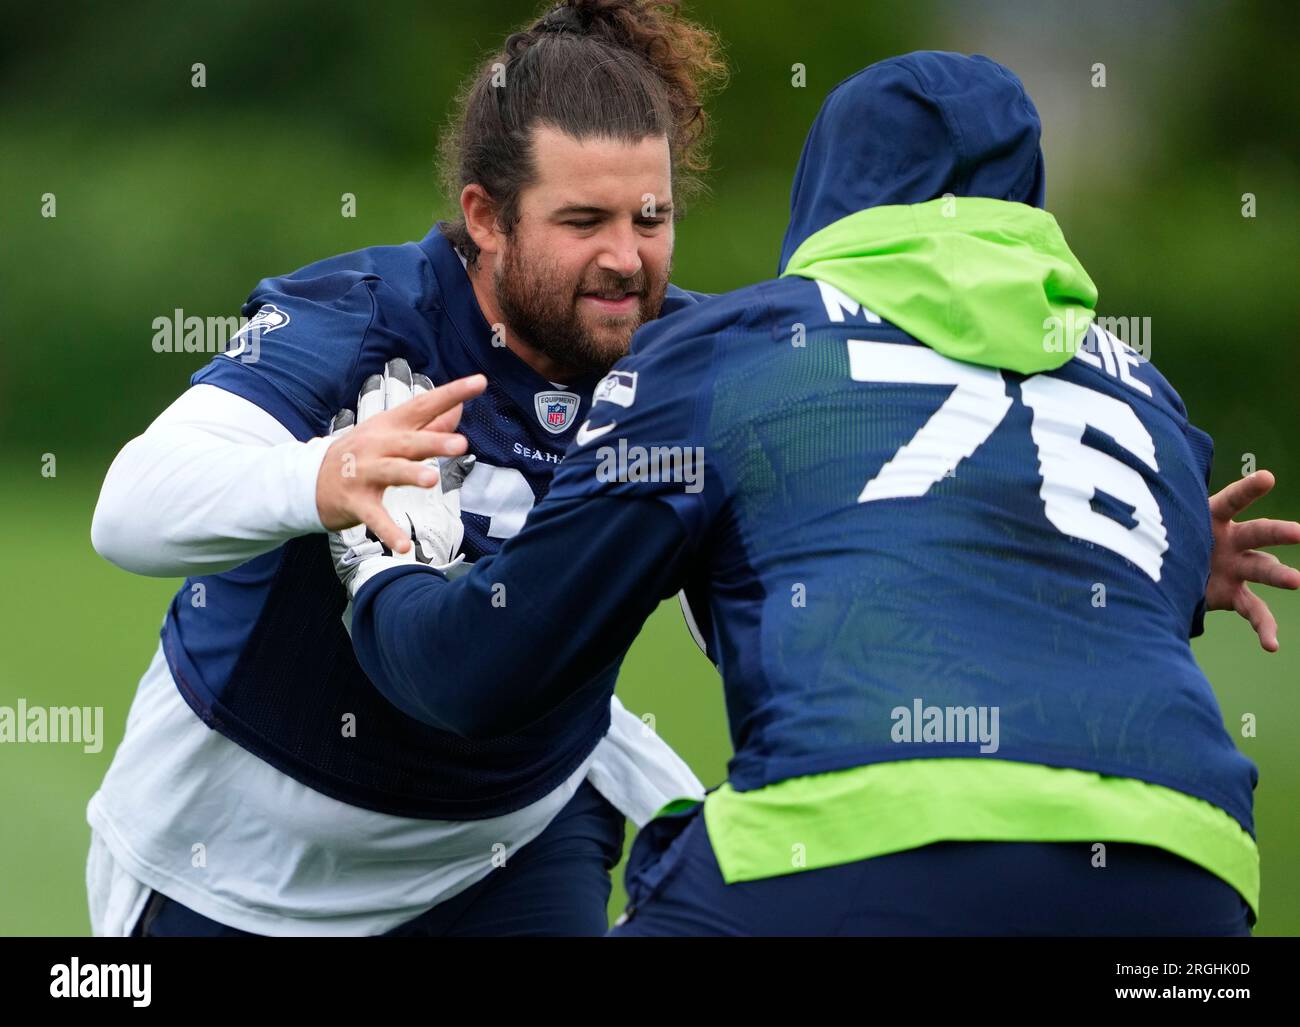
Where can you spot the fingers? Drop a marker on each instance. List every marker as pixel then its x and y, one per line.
pixel 427 406
pixel 371 400
pixel 422 445
pixel 343 420
pixel 385 528
pixel 1230 501
pixel 1267 569
pixel 1256 611
pixel 396 471
pixel 414 398
pixel 417 425
pixel 446 422
pixel 1263 532
pixel 398 383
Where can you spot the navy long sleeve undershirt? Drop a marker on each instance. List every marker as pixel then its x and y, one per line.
pixel 556 607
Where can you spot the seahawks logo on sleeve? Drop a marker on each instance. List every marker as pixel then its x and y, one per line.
pixel 616 387
pixel 267 319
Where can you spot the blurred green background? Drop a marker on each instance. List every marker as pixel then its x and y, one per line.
pixel 170 196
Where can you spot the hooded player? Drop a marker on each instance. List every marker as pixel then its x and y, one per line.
pixel 890 482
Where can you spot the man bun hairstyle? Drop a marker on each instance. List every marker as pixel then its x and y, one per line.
pixel 621 69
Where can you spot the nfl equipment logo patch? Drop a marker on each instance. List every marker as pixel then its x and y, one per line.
pixel 556 410
pixel 616 387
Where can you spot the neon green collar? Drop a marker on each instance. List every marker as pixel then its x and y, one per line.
pixel 984 281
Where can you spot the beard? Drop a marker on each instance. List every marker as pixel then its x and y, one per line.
pixel 542 307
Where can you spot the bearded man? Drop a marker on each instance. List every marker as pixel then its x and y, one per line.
pixel 263 785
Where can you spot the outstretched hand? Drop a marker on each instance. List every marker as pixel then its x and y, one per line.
pixel 390 449
pixel 1237 559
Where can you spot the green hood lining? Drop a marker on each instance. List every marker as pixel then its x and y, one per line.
pixel 985 281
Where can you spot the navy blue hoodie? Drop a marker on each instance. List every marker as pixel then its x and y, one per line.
pixel 910 129
pixel 879 534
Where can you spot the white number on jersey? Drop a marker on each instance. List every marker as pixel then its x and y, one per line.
pixel 958 428
pixel 501 494
pixel 1071 471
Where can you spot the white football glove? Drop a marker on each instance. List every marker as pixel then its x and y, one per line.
pixel 433 514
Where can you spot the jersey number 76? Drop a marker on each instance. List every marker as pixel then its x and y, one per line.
pixel 1071 471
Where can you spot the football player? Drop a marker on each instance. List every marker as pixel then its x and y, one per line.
pixel 946 550
pixel 263 786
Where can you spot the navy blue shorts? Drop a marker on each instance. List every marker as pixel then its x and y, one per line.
pixel 675 888
pixel 555 886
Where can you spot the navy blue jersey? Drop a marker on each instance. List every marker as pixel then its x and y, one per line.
pixel 879 524
pixel 265 658
pixel 860 524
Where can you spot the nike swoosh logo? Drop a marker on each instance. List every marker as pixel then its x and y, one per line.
pixel 586 434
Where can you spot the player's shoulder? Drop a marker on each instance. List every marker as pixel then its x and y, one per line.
pixel 347 291
pixel 332 280
pixel 676 298
pixel 674 359
pixel 709 319
pixel 1106 356
pixel 768 307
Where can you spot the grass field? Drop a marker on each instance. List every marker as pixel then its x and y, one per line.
pixel 77 631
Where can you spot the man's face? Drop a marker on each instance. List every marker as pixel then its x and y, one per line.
pixel 588 260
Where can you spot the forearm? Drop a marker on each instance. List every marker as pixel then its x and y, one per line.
pixel 493 651
pixel 212 483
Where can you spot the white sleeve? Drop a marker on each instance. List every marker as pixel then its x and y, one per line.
pixel 213 482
